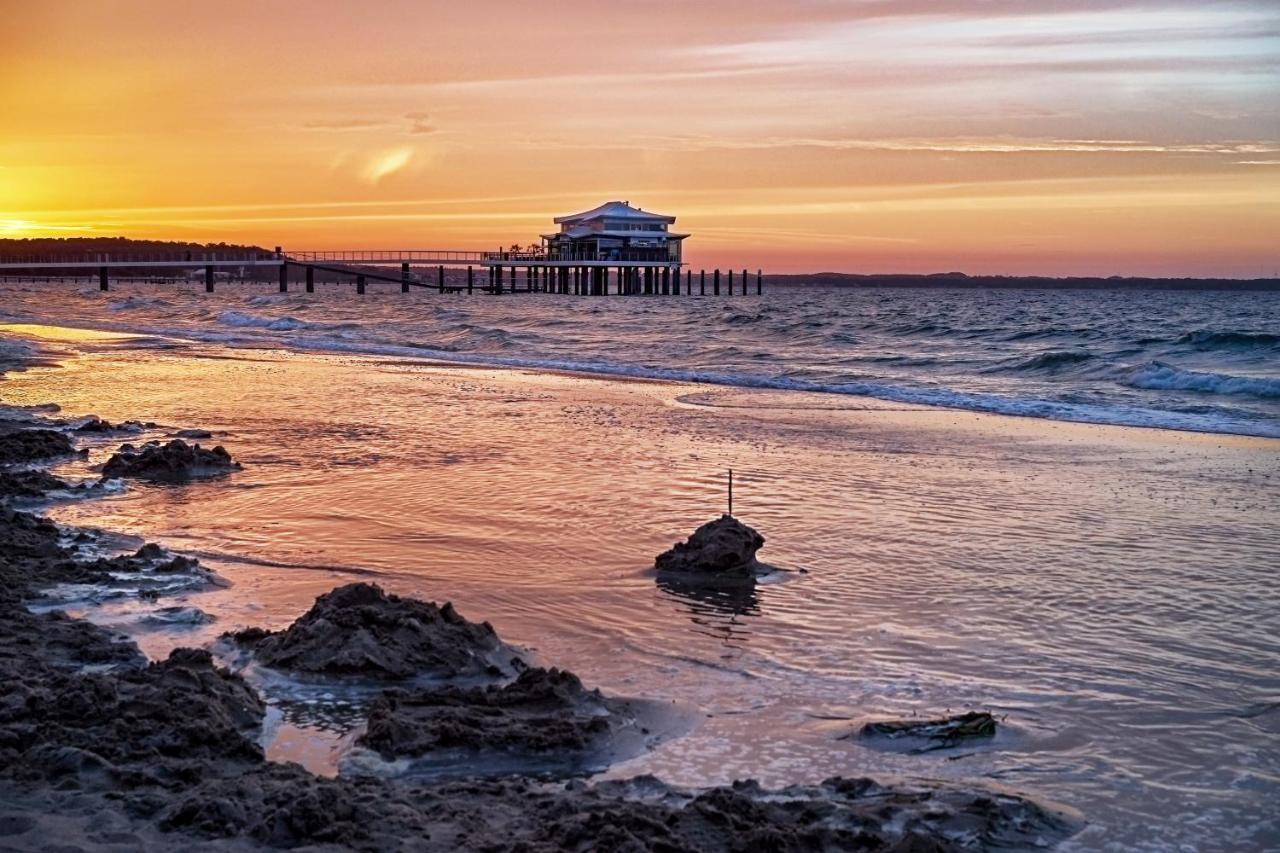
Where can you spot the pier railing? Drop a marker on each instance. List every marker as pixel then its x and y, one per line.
pixel 642 256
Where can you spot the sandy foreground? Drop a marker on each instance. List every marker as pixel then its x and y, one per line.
pixel 358 464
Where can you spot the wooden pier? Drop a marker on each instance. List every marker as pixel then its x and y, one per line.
pixel 442 271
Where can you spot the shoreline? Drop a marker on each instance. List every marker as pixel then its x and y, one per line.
pixel 393 354
pixel 178 766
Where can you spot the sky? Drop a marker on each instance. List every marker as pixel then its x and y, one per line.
pixel 991 136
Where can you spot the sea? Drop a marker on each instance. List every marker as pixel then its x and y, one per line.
pixel 1060 507
pixel 1207 361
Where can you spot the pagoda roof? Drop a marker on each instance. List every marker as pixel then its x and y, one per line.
pixel 615 210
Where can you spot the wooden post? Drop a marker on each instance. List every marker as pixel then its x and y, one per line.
pixel 731 282
pixel 360 285
pixel 440 271
pixel 470 280
pixel 284 277
pixel 744 282
pixel 716 290
pixel 311 279
pixel 498 280
pixel 404 276
pixel 208 278
pixel 688 282
pixel 759 282
pixel 102 278
pixel 702 282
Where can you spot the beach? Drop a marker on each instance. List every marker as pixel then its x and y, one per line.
pixel 1104 591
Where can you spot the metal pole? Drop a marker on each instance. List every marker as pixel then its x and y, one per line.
pixel 404 276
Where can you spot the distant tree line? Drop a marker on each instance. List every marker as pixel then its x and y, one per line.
pixel 124 248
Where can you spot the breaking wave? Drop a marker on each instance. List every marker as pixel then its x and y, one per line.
pixel 1164 377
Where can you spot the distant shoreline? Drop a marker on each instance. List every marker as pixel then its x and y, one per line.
pixel 961 281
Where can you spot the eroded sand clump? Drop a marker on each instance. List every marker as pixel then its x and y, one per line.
pixel 20 446
pixel 175 462
pixel 360 630
pixel 724 548
pixel 542 711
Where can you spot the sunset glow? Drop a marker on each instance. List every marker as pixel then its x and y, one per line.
pixel 906 135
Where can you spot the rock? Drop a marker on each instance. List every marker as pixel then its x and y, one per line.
pixel 177 617
pixel 97 424
pixel 175 462
pixel 360 630
pixel 974 724
pixel 193 433
pixel 543 710
pixel 28 484
pixel 33 445
pixel 723 548
pixel 183 708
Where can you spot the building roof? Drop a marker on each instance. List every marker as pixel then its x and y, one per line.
pixel 578 233
pixel 615 210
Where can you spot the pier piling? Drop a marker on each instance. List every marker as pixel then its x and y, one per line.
pixel 470 280
pixel 440 272
pixel 284 278
pixel 311 279
pixel 404 277
pixel 716 290
pixel 208 278
pixel 360 285
pixel 102 279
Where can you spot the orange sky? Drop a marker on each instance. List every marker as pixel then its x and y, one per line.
pixel 1050 137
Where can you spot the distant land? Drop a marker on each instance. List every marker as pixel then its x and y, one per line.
pixel 88 248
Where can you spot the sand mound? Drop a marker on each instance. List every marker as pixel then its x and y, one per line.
pixel 360 630
pixel 175 462
pixel 543 710
pixel 32 445
pixel 723 548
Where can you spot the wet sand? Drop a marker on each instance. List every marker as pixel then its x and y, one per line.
pixel 1097 586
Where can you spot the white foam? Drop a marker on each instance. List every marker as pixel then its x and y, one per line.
pixel 1164 377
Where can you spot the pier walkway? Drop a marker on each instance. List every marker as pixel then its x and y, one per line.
pixel 499 272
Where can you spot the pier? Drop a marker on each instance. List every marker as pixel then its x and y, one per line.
pixel 614 249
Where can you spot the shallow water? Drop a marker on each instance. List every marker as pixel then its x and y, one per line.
pixel 1111 592
pixel 1194 360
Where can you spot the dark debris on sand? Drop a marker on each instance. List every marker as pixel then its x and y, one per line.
pixel 360 630
pixel 100 750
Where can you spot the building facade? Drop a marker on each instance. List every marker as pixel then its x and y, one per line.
pixel 615 232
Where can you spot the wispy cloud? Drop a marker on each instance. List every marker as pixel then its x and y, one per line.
pixel 387 163
pixel 343 124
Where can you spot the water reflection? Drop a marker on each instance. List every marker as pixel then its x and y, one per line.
pixel 717 611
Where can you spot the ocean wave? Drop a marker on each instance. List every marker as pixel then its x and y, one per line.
pixel 254 321
pixel 1205 339
pixel 1045 362
pixel 1156 376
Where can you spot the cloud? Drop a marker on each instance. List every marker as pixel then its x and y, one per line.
pixel 343 124
pixel 418 123
pixel 386 164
